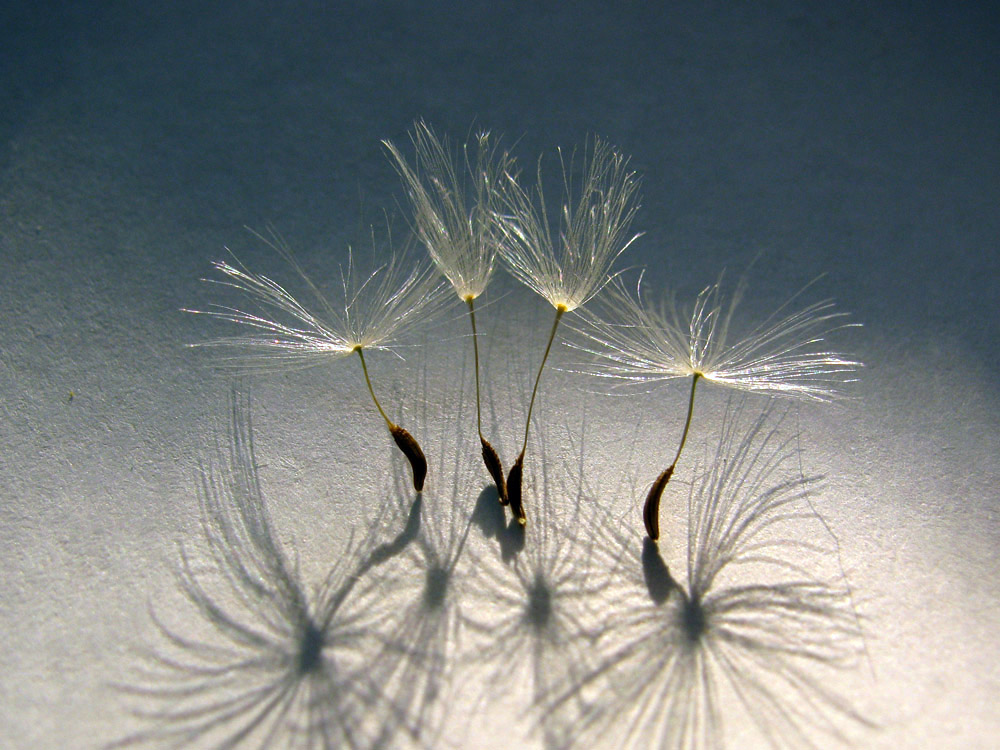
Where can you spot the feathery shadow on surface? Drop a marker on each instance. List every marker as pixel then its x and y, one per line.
pixel 260 658
pixel 388 550
pixel 424 626
pixel 753 634
pixel 543 606
pixel 574 619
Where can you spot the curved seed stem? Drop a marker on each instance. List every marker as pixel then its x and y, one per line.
pixel 389 423
pixel 490 457
pixel 406 443
pixel 475 350
pixel 687 422
pixel 514 479
pixel 651 508
pixel 516 475
pixel 534 391
pixel 410 448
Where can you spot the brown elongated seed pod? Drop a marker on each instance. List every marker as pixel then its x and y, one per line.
pixel 411 449
pixel 495 468
pixel 514 490
pixel 651 510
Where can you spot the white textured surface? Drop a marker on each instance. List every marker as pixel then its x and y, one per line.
pixel 831 138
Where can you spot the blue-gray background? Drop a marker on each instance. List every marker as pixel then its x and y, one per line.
pixel 856 140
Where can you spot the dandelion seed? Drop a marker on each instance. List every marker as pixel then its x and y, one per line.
pixel 373 312
pixel 567 269
pixel 749 630
pixel 456 212
pixel 785 355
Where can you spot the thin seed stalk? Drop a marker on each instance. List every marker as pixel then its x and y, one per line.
pixel 490 457
pixel 364 367
pixel 471 302
pixel 514 478
pixel 651 508
pixel 406 443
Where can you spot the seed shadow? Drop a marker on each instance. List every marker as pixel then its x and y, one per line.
pixel 491 520
pixel 388 550
pixel 422 633
pixel 488 515
pixel 512 539
pixel 575 617
pixel 655 573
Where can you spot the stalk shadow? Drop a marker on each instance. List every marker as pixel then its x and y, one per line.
pixel 388 550
pixel 516 376
pixel 507 607
pixel 489 515
pixel 575 617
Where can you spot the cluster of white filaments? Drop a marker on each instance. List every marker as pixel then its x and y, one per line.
pixel 469 209
pixel 371 311
pixel 569 267
pixel 455 207
pixel 785 354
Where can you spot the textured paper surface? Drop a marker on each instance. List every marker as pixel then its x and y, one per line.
pixel 856 142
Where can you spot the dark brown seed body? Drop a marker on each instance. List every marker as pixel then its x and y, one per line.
pixel 411 449
pixel 495 468
pixel 651 510
pixel 514 490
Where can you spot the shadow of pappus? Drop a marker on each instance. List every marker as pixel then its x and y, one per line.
pixel 427 582
pixel 365 660
pixel 260 659
pixel 487 615
pixel 574 634
pixel 753 638
pixel 539 600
